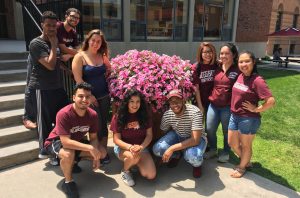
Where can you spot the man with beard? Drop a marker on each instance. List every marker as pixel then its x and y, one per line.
pixel 67 35
pixel 183 124
pixel 67 140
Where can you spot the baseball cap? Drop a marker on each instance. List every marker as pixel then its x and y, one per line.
pixel 175 92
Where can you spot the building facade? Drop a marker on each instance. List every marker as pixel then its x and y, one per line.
pixel 173 26
pixel 284 14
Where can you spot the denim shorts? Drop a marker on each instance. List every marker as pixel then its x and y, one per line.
pixel 246 125
pixel 117 151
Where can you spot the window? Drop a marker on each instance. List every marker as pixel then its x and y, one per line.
pixel 295 18
pixel 213 19
pixel 105 15
pixel 137 20
pixel 159 20
pixel 292 48
pixel 279 18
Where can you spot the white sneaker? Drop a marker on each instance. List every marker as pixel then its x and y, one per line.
pixel 223 157
pixel 210 154
pixel 53 161
pixel 127 178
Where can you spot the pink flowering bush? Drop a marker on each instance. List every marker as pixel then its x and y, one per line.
pixel 151 74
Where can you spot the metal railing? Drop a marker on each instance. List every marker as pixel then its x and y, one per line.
pixel 32 29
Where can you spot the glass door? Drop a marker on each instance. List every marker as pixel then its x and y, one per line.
pixel 213 22
pixel 3 22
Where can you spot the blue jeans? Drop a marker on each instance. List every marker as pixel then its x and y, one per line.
pixel 246 125
pixel 215 115
pixel 193 155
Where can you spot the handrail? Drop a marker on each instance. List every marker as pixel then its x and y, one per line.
pixel 30 15
pixel 34 21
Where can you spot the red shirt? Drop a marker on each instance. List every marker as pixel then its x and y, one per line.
pixel 64 37
pixel 132 133
pixel 68 122
pixel 248 88
pixel 205 79
pixel 223 82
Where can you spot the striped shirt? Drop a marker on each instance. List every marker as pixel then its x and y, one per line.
pixel 190 121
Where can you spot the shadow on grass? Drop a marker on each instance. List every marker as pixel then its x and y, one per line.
pixel 264 172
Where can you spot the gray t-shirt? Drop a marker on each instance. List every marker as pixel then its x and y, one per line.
pixel 41 77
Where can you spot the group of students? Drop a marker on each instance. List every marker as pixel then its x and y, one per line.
pixel 227 91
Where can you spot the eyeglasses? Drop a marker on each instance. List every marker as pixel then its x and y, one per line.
pixel 207 52
pixel 74 17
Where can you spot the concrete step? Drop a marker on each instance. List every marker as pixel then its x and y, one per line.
pixel 13 64
pixel 16 134
pixel 15 101
pixel 15 75
pixel 18 153
pixel 14 87
pixel 13 56
pixel 11 117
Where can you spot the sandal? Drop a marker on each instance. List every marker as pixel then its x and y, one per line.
pixel 238 172
pixel 249 165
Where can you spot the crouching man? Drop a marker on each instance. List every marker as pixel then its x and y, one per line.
pixel 183 124
pixel 67 140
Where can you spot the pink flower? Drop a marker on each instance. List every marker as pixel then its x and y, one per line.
pixel 152 74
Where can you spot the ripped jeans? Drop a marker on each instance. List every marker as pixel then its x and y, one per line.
pixel 193 155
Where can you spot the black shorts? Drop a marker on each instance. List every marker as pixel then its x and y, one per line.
pixel 54 148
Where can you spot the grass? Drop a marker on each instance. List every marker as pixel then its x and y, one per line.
pixel 276 148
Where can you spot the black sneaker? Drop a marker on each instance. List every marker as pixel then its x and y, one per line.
pixel 105 160
pixel 70 189
pixel 76 168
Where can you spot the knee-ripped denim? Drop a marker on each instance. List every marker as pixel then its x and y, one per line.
pixel 193 155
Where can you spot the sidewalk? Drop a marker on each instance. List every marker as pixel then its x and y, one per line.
pixel 39 179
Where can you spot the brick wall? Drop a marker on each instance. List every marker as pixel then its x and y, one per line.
pixel 253 22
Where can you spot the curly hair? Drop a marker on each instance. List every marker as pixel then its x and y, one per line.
pixel 103 50
pixel 123 114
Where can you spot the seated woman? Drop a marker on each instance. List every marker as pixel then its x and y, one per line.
pixel 132 131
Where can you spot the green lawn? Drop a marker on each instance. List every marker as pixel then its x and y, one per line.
pixel 276 149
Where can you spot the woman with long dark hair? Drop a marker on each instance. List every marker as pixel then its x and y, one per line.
pixel 132 131
pixel 91 65
pixel 245 119
pixel 203 76
pixel 220 98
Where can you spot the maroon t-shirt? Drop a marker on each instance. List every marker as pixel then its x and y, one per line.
pixel 64 37
pixel 204 77
pixel 223 82
pixel 68 122
pixel 132 133
pixel 248 88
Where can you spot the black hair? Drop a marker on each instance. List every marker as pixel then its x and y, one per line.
pixel 82 85
pixel 253 58
pixel 48 15
pixel 232 47
pixel 123 114
pixel 68 11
